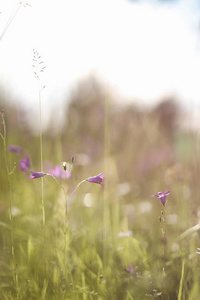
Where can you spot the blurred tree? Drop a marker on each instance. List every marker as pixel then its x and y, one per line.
pixel 166 113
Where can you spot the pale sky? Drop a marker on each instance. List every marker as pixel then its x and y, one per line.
pixel 140 49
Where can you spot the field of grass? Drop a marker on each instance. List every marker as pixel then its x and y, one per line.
pixel 61 240
pixel 89 228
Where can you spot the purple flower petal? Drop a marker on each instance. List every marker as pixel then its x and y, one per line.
pixel 96 179
pixel 36 175
pixel 166 193
pixel 58 172
pixel 24 164
pixel 155 196
pixel 14 148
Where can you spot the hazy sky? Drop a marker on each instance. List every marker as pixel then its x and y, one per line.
pixel 141 49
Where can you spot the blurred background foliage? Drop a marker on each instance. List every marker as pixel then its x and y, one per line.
pixel 141 152
pixel 134 134
pixel 141 143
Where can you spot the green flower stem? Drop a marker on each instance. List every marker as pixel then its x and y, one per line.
pixel 78 186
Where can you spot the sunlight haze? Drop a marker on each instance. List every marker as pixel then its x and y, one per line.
pixel 140 49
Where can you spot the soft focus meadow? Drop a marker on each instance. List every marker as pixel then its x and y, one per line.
pixel 107 207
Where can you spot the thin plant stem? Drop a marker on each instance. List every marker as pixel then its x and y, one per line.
pixel 65 196
pixel 65 219
pixel 40 111
pixel 41 154
pixel 164 243
pixel 38 66
pixel 164 237
pixel 78 186
pixel 4 138
pixel 12 16
pixel 42 179
pixel 106 162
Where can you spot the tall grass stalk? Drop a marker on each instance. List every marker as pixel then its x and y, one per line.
pixel 164 239
pixel 163 229
pixel 38 66
pixel 106 167
pixel 65 219
pixel 42 179
pixel 129 296
pixel 41 153
pixel 8 173
pixel 181 281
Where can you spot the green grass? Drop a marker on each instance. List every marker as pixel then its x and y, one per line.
pixel 48 255
pixel 82 256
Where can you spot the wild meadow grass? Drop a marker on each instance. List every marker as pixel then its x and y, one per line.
pixel 89 228
pixel 106 238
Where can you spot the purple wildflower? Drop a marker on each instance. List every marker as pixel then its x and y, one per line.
pixel 24 164
pixel 15 149
pixel 96 179
pixel 36 175
pixel 130 269
pixel 162 196
pixel 58 172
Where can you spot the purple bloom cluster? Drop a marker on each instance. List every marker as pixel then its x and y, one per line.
pixel 24 164
pixel 57 171
pixel 162 196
